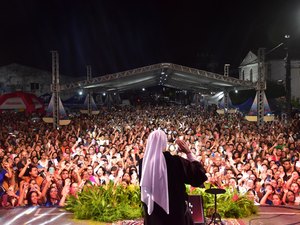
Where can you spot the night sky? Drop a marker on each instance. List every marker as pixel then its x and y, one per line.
pixel 114 36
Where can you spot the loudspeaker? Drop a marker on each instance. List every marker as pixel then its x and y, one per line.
pixel 195 205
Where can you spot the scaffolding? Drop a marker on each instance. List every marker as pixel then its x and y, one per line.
pixel 55 88
pixel 226 93
pixel 89 78
pixel 261 87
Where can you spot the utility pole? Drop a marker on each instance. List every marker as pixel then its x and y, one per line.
pixel 288 78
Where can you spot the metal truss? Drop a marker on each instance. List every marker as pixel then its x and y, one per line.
pixel 261 87
pixel 89 77
pixel 55 88
pixel 215 76
pixel 114 76
pixel 169 68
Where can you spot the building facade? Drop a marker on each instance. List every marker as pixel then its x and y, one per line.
pixel 275 71
pixel 16 77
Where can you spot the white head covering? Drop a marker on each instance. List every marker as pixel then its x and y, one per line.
pixel 154 181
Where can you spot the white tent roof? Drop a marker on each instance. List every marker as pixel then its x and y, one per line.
pixel 165 74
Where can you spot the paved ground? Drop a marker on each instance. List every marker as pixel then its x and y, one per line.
pixel 55 216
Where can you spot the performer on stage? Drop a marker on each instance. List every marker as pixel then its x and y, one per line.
pixel 162 180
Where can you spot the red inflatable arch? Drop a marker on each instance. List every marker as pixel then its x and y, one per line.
pixel 21 101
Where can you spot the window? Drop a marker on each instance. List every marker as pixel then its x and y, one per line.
pixel 34 86
pixel 251 75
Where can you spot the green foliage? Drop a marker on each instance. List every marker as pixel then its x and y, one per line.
pixel 107 203
pixel 230 204
pixel 296 103
pixel 114 203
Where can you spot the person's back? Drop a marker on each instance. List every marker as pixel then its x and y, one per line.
pixel 179 174
pixel 180 171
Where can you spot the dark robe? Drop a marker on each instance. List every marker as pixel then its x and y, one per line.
pixel 180 172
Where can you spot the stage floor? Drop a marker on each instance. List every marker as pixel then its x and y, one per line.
pixel 56 216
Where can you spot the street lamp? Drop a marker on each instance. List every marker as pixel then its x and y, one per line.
pixel 288 77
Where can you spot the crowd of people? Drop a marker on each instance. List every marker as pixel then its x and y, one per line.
pixel 44 166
